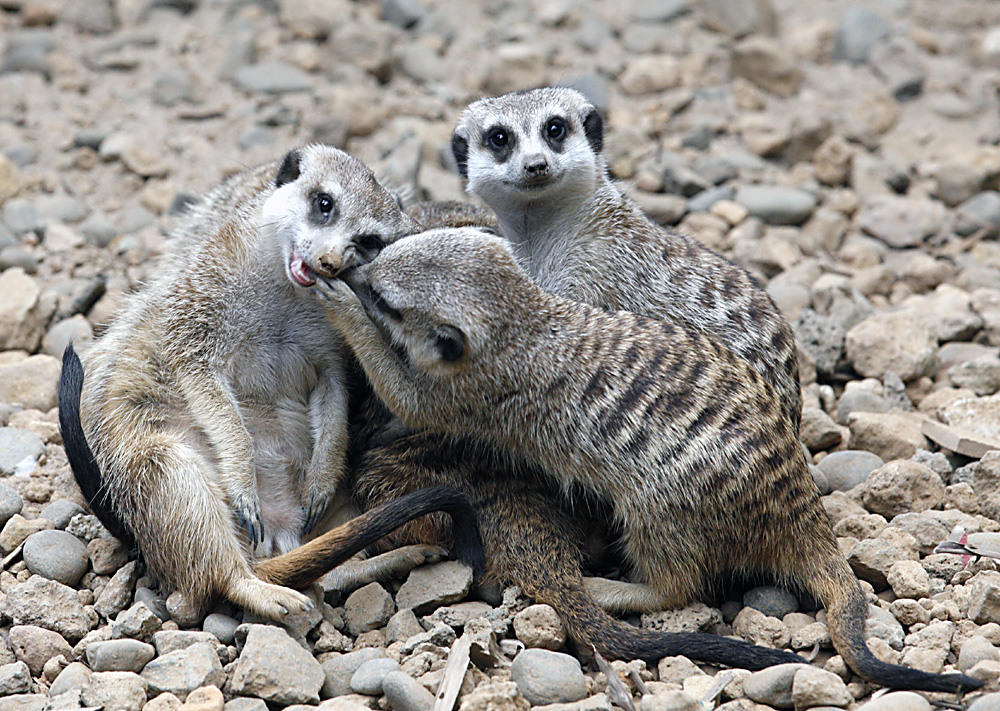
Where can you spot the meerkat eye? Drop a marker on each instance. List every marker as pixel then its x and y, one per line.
pixel 324 205
pixel 497 138
pixel 370 243
pixel 555 129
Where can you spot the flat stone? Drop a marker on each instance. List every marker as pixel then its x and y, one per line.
pixel 185 670
pixel 35 645
pixel 338 670
pixel 430 586
pixel 772 686
pixel 370 675
pixel 274 667
pixel 368 608
pixel 775 204
pixel 958 440
pixel 846 469
pixel 119 655
pixel 59 512
pixel 120 690
pixel 271 78
pixel 56 555
pixel 51 605
pixel 19 451
pixel 30 381
pixel 901 222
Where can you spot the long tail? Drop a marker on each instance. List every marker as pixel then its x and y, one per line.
pixel 311 560
pixel 846 613
pixel 81 459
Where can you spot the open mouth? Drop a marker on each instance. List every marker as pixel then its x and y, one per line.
pixel 300 272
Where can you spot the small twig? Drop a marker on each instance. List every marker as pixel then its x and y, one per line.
pixel 11 557
pixel 813 653
pixel 454 674
pixel 722 680
pixel 640 685
pixel 616 688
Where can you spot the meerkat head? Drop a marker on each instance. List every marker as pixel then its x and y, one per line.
pixel 443 299
pixel 328 213
pixel 527 146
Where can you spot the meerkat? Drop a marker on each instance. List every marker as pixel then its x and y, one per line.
pixel 217 401
pixel 676 432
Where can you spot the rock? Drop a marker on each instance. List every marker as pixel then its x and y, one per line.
pixel 137 622
pixel 167 641
pixel 695 617
pixel 17 529
pixel 182 611
pixel 23 315
pixel 976 419
pixel 19 451
pixel 890 435
pixel 671 700
pixel 222 627
pixel 846 469
pixel 775 204
pixel 243 703
pixel 107 555
pixel 772 686
pixel 119 690
pixel 901 222
pixel 403 625
pixel 207 698
pixel 812 687
pixel 370 675
pixel 902 486
pixel 974 650
pixel 99 230
pixel 899 342
pixel 540 626
pixel 547 677
pixel 761 629
pixel 430 586
pixel 980 375
pixel 273 667
pixel 271 78
pixel 30 381
pixel 740 19
pixel 11 504
pixel 859 30
pixel 897 701
pixel 119 655
pixel 907 578
pixel 984 598
pixel 35 645
pixel 765 62
pixel 818 431
pixel 338 670
pixel 368 608
pixel 650 74
pixel 822 338
pixel 15 678
pixel 404 693
pixel 402 13
pixel 184 670
pixel 772 601
pixel 51 605
pixel 154 602
pixel 495 696
pixel 979 212
pixel 59 512
pixel 56 555
pixel 986 702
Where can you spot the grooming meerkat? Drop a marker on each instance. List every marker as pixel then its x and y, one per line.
pixel 679 435
pixel 218 399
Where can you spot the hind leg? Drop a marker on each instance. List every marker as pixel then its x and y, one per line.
pixel 620 597
pixel 392 564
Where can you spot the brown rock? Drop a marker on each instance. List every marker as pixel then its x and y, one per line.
pixel 890 435
pixel 35 645
pixel 902 486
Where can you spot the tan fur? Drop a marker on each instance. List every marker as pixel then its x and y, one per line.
pixel 678 434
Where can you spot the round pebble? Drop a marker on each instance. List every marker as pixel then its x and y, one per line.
pixel 10 503
pixel 772 601
pixel 222 626
pixel 61 512
pixel 56 555
pixel 119 655
pixel 369 676
pixel 845 470
pixel 547 677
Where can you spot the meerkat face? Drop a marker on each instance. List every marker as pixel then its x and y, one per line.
pixel 527 146
pixel 328 213
pixel 440 297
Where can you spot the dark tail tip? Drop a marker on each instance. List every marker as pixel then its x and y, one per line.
pixel 468 543
pixel 81 458
pixel 895 676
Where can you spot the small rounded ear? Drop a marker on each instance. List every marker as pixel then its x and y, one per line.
pixel 289 169
pixel 460 149
pixel 593 127
pixel 450 343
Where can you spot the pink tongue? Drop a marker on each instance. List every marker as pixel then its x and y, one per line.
pixel 301 272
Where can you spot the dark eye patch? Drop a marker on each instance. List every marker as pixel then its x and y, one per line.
pixel 555 130
pixel 368 246
pixel 323 209
pixel 500 141
pixel 450 343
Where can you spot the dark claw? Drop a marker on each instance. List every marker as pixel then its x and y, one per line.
pixel 316 512
pixel 253 525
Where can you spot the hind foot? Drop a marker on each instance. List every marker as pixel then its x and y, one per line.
pixel 619 597
pixel 394 564
pixel 268 600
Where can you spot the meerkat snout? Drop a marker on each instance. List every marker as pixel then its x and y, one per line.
pixel 536 166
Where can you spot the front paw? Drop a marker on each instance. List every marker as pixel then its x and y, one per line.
pixel 246 509
pixel 333 293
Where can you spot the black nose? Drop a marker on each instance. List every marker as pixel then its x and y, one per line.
pixel 536 168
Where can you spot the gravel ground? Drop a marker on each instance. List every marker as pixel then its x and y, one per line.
pixel 847 155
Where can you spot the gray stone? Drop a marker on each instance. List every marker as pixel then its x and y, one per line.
pixel 137 622
pixel 772 601
pixel 21 217
pixel 56 555
pixel 738 19
pixel 244 703
pixel 119 655
pixel 430 586
pixel 899 342
pixel 404 693
pixel 107 554
pixel 369 676
pixel 274 667
pixel 339 670
pixel 822 338
pixel 272 78
pixel 402 13
pixel 974 650
pixel 980 375
pixel 902 486
pixel 402 626
pixel 19 450
pixel 814 688
pixel 547 677
pixel 153 601
pixel 28 55
pixel 171 85
pixel 58 512
pixel 368 608
pixel 185 670
pixel 61 207
pixel 772 686
pixel 859 30
pixel 15 678
pixel 222 627
pixel 76 676
pixel 846 469
pixel 899 701
pixel 35 646
pixel 11 503
pixel 167 641
pixel 860 400
pixel 979 212
pixel 118 690
pixel 706 198
pixel 776 204
pixel 901 222
pixel 99 230
pixel 117 594
pixel 52 605
pixel 986 702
